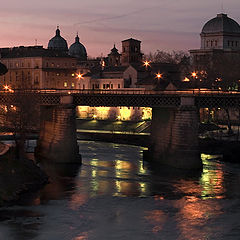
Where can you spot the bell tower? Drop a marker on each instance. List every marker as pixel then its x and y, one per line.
pixel 131 52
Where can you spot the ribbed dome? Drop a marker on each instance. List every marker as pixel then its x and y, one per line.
pixel 78 50
pixel 222 23
pixel 58 42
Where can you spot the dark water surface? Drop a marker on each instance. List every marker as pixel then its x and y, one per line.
pixel 113 196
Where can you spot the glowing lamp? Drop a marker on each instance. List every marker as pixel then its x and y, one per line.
pixel 194 74
pixel 159 75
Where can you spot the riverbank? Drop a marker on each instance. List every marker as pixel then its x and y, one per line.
pixel 17 177
pixel 138 139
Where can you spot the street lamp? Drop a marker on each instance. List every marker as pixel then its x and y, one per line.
pixel 146 64
pixel 158 76
pixel 194 74
pixel 79 76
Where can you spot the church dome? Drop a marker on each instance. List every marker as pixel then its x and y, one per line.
pixel 78 50
pixel 58 42
pixel 222 23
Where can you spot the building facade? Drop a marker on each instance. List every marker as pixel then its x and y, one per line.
pixel 220 36
pixel 38 68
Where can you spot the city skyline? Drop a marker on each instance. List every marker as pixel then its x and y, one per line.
pixel 164 25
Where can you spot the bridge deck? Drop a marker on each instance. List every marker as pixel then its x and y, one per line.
pixel 134 98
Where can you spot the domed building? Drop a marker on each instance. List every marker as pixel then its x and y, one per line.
pixel 220 32
pixel 219 36
pixel 78 50
pixel 58 42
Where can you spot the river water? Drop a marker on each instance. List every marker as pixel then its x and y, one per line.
pixel 113 195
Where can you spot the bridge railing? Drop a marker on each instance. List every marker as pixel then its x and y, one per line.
pixel 194 92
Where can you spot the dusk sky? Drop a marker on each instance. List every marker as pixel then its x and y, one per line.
pixel 159 24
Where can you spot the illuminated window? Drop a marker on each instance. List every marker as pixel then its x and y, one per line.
pixel 73 85
pixel 65 84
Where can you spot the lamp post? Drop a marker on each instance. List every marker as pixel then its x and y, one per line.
pixel 146 64
pixel 194 76
pixel 79 76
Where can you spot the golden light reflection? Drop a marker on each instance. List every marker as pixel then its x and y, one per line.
pixel 198 206
pixel 193 215
pixel 141 169
pixel 77 200
pixel 157 219
pixel 212 180
pixel 83 236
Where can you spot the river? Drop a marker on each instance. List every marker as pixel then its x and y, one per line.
pixel 113 195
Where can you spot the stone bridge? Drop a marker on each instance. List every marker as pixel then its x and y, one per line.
pixel 174 135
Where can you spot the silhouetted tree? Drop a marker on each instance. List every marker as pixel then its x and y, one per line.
pixel 160 56
pixel 20 114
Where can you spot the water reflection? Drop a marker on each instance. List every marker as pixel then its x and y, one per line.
pixel 212 179
pixel 114 188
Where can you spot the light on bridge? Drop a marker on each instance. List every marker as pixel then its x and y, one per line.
pixel 158 76
pixel 194 74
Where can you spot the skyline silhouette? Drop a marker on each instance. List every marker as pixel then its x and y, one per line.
pixel 164 25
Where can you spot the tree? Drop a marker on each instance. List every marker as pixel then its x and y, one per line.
pixel 220 71
pixel 175 57
pixel 21 116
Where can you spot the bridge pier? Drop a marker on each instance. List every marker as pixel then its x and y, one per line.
pixel 174 136
pixel 57 139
